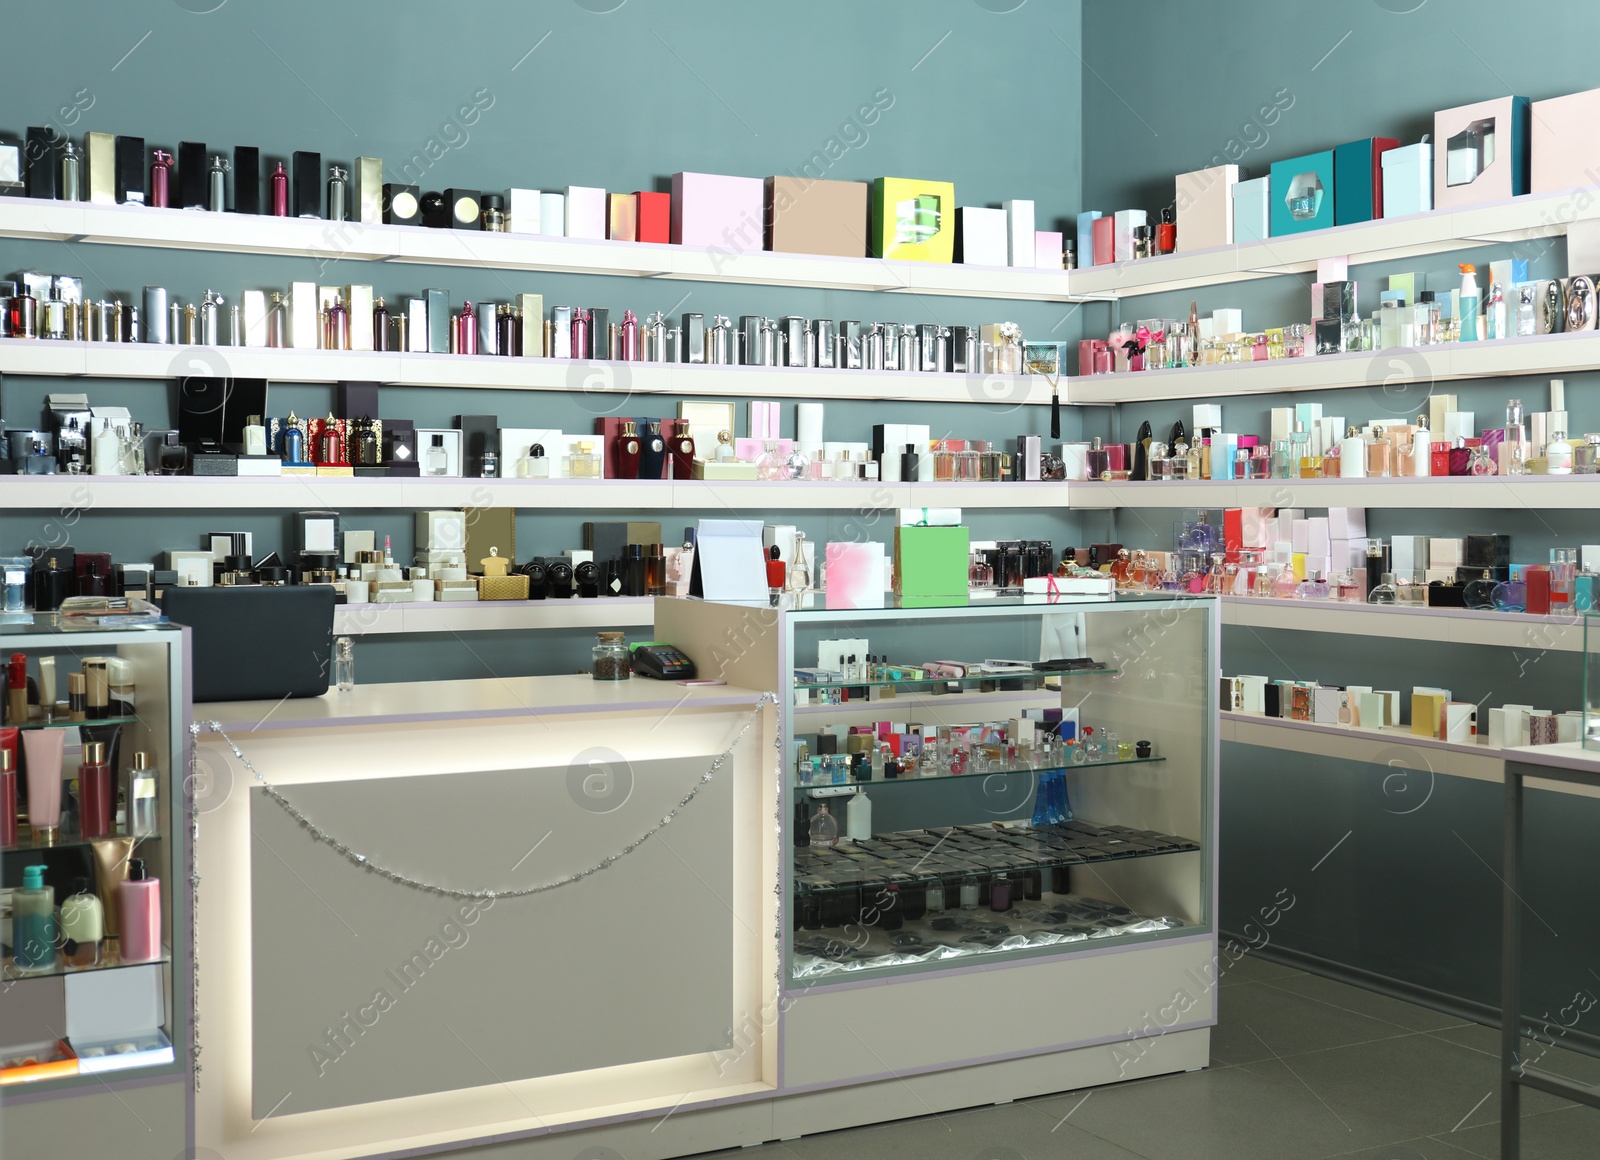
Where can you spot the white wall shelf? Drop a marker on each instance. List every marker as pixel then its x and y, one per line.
pixel 1522 492
pixel 1517 220
pixel 81 493
pixel 1445 625
pixel 599 379
pixel 329 242
pixel 493 615
pixel 1547 354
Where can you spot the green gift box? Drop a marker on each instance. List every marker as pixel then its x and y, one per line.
pixel 930 561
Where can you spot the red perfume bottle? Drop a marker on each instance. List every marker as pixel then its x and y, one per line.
pixel 682 445
pixel 161 179
pixel 627 452
pixel 1166 233
pixel 777 570
pixel 280 191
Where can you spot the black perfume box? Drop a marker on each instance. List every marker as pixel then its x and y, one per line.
pixel 193 171
pixel 130 170
pixel 305 194
pixel 246 179
pixel 41 162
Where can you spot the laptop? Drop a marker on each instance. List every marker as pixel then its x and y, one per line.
pixel 257 644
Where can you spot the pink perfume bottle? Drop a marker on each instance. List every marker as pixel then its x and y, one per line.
pixel 580 334
pixel 161 179
pixel 280 191
pixel 338 325
pixel 1286 584
pixel 467 330
pixel 629 337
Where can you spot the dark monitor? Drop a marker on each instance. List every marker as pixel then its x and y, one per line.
pixel 257 644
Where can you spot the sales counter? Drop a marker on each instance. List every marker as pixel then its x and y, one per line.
pixel 557 910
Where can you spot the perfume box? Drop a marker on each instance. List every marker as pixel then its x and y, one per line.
pixel 1564 153
pixel 622 217
pixel 130 170
pixel 1480 152
pixel 980 236
pixel 655 217
pixel 1086 221
pixel 1205 207
pixel 306 185
pixel 1302 194
pixel 246 179
pixel 367 176
pixel 41 161
pixel 450 440
pixel 816 217
pixel 305 327
pixel 1427 711
pixel 913 220
pixel 441 531
pixel 114 1019
pixel 1125 221
pixel 1103 248
pixel 586 212
pixel 1251 213
pixel 713 209
pixel 479 434
pixel 463 209
pixel 1407 179
pixel 1358 179
pixel 1048 247
pixel 1020 249
pixel 522 211
pixel 552 215
pixel 100 165
pixel 193 171
pixel 854 574
pixel 401 205
pixel 931 561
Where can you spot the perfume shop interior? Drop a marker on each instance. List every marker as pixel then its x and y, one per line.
pixel 856 568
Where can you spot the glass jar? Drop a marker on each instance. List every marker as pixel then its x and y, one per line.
pixel 612 661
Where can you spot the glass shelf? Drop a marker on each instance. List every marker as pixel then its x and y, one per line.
pixel 75 724
pixel 10 975
pixel 876 783
pixel 983 678
pixel 30 842
pixel 918 857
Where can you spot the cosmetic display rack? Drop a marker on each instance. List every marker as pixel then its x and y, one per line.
pixel 1521 492
pixel 125 492
pixel 115 1032
pixel 1519 219
pixel 1543 354
pixel 1515 630
pixel 353 242
pixel 128 360
pixel 491 616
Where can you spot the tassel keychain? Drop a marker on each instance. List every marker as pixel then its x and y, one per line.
pixel 1055 408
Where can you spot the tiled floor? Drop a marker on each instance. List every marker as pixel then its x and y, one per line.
pixel 1302 1068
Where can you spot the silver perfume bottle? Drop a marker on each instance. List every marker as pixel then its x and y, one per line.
pixel 210 318
pixel 338 193
pixel 71 173
pixel 217 185
pixel 655 338
pixel 719 340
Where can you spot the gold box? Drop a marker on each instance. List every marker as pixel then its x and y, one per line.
pixel 622 224
pixel 502 587
pixel 100 157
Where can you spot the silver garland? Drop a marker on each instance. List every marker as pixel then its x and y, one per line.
pixel 359 859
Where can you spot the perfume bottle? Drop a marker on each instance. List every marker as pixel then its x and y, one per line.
pixel 1510 596
pixel 161 179
pixel 338 193
pixel 824 828
pixel 534 465
pixel 279 186
pixel 1286 585
pixel 1558 454
pixel 1314 587
pixel 278 321
pixel 71 172
pixel 1166 233
pixel 217 184
pixel 507 331
pixel 466 330
pixel 143 807
pixel 583 462
pixel 627 450
pixel 139 896
pixel 1479 593
pixel 1099 461
pixel 725 452
pixel 580 333
pixel 1514 448
pixel 771 465
pixel 337 330
pixel 1380 455
pixel 344 664
pixel 436 460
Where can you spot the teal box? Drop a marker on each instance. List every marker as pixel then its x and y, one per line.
pixel 1302 194
pixel 1358 180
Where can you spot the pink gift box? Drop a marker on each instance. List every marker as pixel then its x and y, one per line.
pixel 1047 249
pixel 1480 172
pixel 709 209
pixel 1565 152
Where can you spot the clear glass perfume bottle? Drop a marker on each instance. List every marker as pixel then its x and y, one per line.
pixel 1313 587
pixel 436 460
pixel 583 462
pixel 1479 593
pixel 1286 585
pixel 344 664
pixel 1515 446
pixel 825 828
pixel 1510 596
pixel 799 573
pixel 534 465
pixel 771 465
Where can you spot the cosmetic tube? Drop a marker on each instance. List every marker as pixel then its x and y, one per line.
pixel 47 687
pixel 97 684
pixel 42 750
pixel 110 869
pixel 77 698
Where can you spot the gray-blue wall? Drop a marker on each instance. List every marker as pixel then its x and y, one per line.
pixel 1411 897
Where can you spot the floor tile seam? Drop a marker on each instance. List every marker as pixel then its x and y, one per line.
pixel 1352 1010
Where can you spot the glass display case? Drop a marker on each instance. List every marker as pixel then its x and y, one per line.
pixel 1591 680
pixel 1000 779
pixel 94 856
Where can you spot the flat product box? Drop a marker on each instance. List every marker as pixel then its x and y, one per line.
pixel 1205 207
pixel 913 220
pixel 1407 179
pixel 980 236
pixel 655 217
pixel 931 561
pixel 622 224
pixel 1048 248
pixel 1358 179
pixel 1251 212
pixel 1564 150
pixel 712 209
pixel 1124 222
pixel 1302 194
pixel 586 212
pixel 1480 152
pixel 1020 241
pixel 816 217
